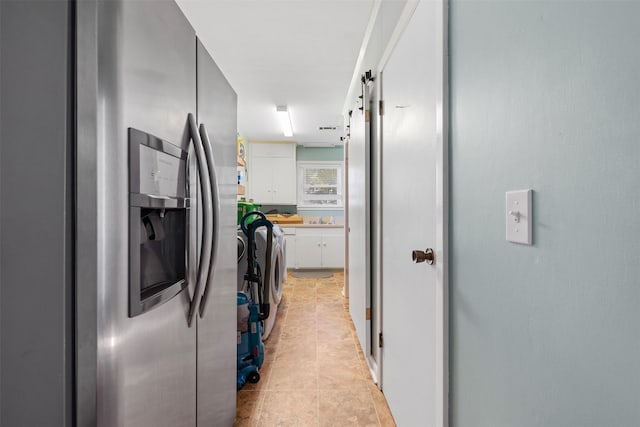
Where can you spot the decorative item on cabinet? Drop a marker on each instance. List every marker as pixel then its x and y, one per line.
pixel 241 151
pixel 242 165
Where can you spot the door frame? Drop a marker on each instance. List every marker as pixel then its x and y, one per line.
pixel 441 203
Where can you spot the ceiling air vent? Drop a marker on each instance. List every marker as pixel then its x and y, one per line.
pixel 318 145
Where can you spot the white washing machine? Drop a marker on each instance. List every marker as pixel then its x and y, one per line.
pixel 280 245
pixel 275 294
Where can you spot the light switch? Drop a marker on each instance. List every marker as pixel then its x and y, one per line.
pixel 518 216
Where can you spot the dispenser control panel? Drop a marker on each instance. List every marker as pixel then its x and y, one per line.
pixel 161 173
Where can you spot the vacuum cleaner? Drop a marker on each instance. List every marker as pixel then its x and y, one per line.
pixel 253 301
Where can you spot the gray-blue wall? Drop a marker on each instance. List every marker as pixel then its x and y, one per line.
pixel 545 95
pixel 320 154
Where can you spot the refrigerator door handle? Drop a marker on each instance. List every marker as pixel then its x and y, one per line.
pixel 207 208
pixel 215 190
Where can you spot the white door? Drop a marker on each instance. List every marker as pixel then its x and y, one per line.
pixel 358 226
pixel 290 248
pixel 413 217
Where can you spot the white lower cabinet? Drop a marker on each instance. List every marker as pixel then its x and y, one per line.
pixel 333 250
pixel 290 246
pixel 308 251
pixel 316 248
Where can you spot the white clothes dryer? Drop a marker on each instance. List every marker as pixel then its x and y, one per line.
pixel 275 294
pixel 280 246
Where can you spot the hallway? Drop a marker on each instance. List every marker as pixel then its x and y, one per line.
pixel 314 372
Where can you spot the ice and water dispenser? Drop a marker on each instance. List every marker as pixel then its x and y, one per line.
pixel 158 221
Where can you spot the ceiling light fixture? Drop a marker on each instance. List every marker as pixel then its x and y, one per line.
pixel 285 119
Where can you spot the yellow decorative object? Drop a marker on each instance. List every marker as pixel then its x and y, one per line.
pixel 241 150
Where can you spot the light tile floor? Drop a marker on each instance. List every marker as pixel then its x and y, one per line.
pixel 314 372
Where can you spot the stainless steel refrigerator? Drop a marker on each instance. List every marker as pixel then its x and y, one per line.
pixel 117 218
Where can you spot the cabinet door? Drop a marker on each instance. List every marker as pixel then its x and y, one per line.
pixel 261 179
pixel 274 150
pixel 308 251
pixel 283 184
pixel 290 251
pixel 333 251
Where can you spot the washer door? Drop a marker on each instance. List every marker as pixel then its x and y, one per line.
pixel 275 294
pixel 276 277
pixel 242 259
pixel 275 282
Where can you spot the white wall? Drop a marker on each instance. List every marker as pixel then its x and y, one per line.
pixel 383 21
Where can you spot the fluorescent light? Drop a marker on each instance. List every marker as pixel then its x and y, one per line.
pixel 285 120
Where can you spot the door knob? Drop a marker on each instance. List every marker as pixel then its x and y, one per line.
pixel 419 256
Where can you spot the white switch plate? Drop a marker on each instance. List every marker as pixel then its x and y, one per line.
pixel 518 216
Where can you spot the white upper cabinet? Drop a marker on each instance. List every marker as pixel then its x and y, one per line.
pixel 272 173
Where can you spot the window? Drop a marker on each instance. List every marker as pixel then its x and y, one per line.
pixel 320 185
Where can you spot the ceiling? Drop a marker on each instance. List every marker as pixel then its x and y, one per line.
pixel 299 53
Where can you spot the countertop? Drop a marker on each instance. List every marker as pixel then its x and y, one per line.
pixel 311 225
pixel 285 219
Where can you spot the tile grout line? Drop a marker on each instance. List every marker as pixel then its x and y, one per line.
pixel 364 364
pixel 265 391
pixel 375 407
pixel 263 396
pixel 317 359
